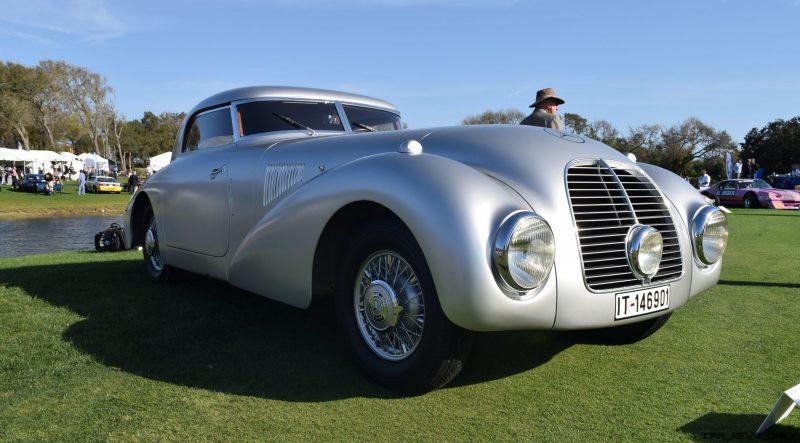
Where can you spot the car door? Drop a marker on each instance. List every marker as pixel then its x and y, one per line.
pixel 197 204
pixel 727 192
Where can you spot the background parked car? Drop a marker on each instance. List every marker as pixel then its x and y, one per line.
pixel 752 194
pixel 104 184
pixel 33 183
pixel 785 181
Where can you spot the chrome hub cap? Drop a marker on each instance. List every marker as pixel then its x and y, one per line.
pixel 381 308
pixel 389 305
pixel 151 246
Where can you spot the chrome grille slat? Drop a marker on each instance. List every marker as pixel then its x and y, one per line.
pixel 606 199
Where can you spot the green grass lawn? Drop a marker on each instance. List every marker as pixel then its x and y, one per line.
pixel 28 204
pixel 92 350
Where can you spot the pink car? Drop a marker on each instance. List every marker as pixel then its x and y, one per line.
pixel 752 194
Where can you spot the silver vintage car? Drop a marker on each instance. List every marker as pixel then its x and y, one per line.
pixel 423 236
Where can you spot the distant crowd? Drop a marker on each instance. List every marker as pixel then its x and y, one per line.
pixel 51 181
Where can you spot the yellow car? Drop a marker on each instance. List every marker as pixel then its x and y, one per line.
pixel 104 184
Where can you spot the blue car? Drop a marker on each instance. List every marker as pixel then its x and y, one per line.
pixel 786 181
pixel 33 183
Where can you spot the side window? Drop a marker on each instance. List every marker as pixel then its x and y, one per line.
pixel 270 116
pixel 371 120
pixel 209 130
pixel 728 185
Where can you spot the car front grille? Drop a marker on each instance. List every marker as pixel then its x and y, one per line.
pixel 607 198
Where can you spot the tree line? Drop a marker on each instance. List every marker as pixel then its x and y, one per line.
pixel 685 148
pixel 61 107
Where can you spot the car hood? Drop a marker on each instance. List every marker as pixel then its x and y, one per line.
pixel 531 160
pixel 781 193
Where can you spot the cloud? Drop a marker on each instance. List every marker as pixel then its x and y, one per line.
pixel 38 39
pixel 52 20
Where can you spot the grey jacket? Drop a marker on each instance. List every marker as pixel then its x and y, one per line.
pixel 540 117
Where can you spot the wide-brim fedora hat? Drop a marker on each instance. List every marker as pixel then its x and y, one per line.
pixel 544 94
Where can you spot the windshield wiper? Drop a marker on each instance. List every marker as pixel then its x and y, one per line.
pixel 294 123
pixel 363 126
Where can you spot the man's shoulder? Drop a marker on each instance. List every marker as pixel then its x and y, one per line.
pixel 538 117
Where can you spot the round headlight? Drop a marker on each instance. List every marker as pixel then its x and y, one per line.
pixel 645 247
pixel 710 234
pixel 524 251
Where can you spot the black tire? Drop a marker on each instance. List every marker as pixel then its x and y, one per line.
pixel 380 336
pixel 631 333
pixel 153 261
pixel 750 201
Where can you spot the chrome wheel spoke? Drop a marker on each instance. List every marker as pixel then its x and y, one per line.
pixel 389 305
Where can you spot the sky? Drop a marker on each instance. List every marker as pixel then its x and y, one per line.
pixel 734 64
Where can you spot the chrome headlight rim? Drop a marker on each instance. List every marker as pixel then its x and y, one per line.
pixel 699 225
pixel 638 235
pixel 500 254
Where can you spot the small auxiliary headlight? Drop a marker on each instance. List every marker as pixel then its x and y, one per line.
pixel 524 251
pixel 710 234
pixel 645 247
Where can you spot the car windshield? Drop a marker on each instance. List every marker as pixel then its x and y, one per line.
pixel 269 116
pixel 755 184
pixel 371 120
pixel 106 180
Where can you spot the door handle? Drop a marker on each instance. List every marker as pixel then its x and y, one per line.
pixel 216 172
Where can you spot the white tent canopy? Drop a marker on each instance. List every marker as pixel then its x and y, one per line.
pixel 15 155
pixel 160 160
pixel 94 161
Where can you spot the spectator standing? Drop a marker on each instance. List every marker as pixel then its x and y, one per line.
pixel 133 182
pixel 737 168
pixel 545 107
pixel 754 166
pixel 82 182
pixel 14 178
pixel 704 180
pixel 746 173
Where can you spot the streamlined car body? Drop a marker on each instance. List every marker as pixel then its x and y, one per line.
pixel 424 236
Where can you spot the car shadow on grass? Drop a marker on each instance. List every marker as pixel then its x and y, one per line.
pixel 716 426
pixel 759 283
pixel 206 334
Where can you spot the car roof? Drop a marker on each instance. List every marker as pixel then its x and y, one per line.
pixel 291 92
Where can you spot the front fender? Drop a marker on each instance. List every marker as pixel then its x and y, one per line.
pixel 452 210
pixel 688 202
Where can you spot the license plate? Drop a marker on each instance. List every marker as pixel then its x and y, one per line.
pixel 643 301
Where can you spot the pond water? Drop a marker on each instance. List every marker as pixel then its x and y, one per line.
pixel 45 235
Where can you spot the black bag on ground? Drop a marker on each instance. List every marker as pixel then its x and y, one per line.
pixel 112 239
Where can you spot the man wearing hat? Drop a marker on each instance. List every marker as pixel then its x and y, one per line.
pixel 544 114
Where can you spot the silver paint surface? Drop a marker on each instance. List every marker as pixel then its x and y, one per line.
pixel 453 197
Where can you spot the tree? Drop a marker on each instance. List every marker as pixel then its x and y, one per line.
pixel 48 104
pixel 576 124
pixel 507 117
pixel 776 147
pixel 16 91
pixel 681 148
pixel 84 95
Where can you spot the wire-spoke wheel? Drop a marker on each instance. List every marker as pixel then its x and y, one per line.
pixel 389 312
pixel 389 305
